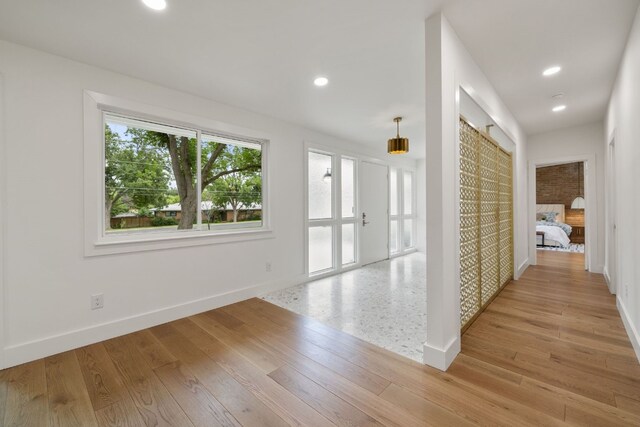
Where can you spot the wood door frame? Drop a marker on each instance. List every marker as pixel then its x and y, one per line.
pixel 590 211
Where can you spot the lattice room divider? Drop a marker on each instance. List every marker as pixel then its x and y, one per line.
pixel 486 221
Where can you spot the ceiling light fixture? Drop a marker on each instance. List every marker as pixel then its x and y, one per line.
pixel 398 145
pixel 155 4
pixel 559 108
pixel 321 81
pixel 551 71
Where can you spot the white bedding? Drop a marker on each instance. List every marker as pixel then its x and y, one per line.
pixel 554 233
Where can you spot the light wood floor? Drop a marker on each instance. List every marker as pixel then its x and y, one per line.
pixel 551 349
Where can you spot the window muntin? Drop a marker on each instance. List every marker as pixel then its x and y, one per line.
pixel 154 175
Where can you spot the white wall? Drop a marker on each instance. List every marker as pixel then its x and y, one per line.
pixel 449 67
pixel 47 279
pixel 475 115
pixel 577 142
pixel 421 201
pixel 623 125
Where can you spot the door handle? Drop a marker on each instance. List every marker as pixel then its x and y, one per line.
pixel 364 215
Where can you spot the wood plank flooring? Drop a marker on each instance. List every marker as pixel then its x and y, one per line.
pixel 549 350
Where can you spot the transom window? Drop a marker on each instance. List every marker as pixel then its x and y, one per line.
pixel 160 178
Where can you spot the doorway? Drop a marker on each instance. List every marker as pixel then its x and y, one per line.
pixel 560 208
pixel 374 217
pixel 581 213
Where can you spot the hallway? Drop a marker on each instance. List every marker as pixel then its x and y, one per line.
pixel 561 260
pixel 550 349
pixel 556 335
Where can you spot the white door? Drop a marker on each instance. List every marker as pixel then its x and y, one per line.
pixel 374 217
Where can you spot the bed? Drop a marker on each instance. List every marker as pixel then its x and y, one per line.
pixel 552 233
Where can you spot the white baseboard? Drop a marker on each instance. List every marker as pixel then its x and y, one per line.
pixel 634 337
pixel 607 279
pixel 33 350
pixel 521 268
pixel 598 269
pixel 441 358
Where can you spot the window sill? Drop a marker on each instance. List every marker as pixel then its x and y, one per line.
pixel 110 245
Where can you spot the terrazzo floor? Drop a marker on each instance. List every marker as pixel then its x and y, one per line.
pixel 383 303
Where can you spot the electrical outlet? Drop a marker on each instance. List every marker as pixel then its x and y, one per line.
pixel 97 301
pixel 267 266
pixel 626 291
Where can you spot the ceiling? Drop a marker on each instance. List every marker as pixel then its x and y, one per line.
pixel 514 41
pixel 262 55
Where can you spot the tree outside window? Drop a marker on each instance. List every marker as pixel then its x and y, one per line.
pixel 151 173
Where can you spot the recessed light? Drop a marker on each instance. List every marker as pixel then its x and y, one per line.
pixel 155 4
pixel 551 71
pixel 321 81
pixel 559 108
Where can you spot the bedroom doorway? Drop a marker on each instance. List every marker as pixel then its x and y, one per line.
pixel 561 205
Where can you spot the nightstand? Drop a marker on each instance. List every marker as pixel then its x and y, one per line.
pixel 577 235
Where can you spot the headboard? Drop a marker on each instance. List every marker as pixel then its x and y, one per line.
pixel 552 208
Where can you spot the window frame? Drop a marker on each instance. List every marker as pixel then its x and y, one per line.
pixel 337 220
pixel 97 242
pixel 400 217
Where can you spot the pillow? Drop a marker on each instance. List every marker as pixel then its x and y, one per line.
pixel 540 216
pixel 550 216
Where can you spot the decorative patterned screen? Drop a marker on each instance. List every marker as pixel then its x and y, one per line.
pixel 486 237
pixel 506 217
pixel 489 274
pixel 469 223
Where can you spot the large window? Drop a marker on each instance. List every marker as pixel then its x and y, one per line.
pixel 402 211
pixel 331 235
pixel 160 178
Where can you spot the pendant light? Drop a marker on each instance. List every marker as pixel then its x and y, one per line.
pixel 578 202
pixel 398 145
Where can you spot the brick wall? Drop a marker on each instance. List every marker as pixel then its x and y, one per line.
pixel 558 184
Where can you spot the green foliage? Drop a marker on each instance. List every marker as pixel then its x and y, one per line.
pixel 227 159
pixel 239 190
pixel 172 198
pixel 136 175
pixel 145 212
pixel 160 221
pixel 146 169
